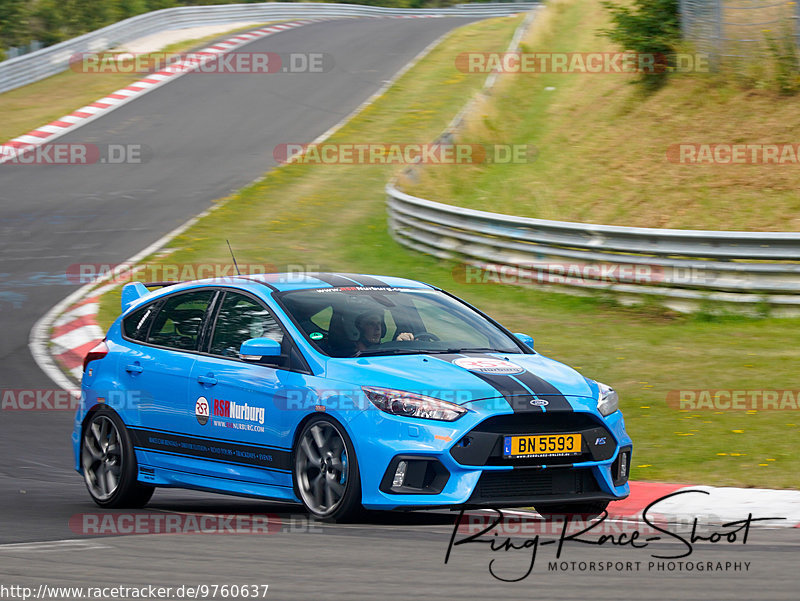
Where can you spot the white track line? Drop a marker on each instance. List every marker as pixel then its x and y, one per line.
pixel 55 545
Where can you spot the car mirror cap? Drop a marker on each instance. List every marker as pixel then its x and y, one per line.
pixel 255 349
pixel 525 339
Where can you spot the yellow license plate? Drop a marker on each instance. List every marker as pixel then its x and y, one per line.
pixel 547 445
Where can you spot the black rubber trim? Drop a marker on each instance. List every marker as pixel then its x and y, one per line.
pixel 229 479
pixel 527 487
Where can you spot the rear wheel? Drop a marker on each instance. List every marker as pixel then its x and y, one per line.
pixel 326 472
pixel 109 463
pixel 585 509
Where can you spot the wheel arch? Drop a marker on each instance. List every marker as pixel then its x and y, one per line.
pixel 301 425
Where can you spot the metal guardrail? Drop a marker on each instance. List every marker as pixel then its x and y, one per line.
pixel 48 61
pixel 683 266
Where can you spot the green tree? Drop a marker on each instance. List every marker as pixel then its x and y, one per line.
pixel 648 27
pixel 14 23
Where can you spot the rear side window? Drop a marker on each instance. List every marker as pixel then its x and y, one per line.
pixel 178 323
pixel 241 318
pixel 136 325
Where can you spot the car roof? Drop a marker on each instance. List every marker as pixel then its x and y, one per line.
pixel 282 282
pixel 288 281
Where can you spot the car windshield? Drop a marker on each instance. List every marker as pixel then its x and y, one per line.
pixel 357 322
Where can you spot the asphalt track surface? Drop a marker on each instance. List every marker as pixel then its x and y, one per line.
pixel 209 135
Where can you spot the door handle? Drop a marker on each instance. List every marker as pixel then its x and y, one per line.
pixel 134 368
pixel 209 380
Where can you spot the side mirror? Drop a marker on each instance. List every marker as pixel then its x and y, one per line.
pixel 525 339
pixel 256 349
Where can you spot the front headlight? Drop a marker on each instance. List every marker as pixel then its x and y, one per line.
pixel 608 399
pixel 409 404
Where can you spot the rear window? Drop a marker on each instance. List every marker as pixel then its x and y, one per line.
pixel 136 325
pixel 177 323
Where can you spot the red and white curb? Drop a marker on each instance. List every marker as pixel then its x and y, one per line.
pixel 682 504
pixel 709 504
pixel 82 116
pixel 74 334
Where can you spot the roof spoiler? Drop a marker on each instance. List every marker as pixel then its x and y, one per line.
pixel 135 290
pixel 131 293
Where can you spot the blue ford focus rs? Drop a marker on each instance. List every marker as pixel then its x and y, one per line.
pixel 340 392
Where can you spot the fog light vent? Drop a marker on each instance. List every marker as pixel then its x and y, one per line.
pixel 621 467
pixel 408 475
pixel 400 474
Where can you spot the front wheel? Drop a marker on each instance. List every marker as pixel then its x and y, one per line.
pixel 326 472
pixel 109 463
pixel 585 509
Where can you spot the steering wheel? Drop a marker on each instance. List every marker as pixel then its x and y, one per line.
pixel 428 337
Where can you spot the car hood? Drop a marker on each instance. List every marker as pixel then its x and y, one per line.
pixel 467 377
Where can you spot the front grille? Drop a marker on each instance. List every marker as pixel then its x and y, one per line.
pixel 551 422
pixel 483 445
pixel 533 485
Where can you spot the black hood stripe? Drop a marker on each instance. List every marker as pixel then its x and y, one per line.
pixel 335 280
pixel 543 388
pixel 517 388
pixel 514 393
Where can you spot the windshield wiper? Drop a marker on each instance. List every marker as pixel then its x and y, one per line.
pixel 391 351
pixel 449 351
pixel 467 350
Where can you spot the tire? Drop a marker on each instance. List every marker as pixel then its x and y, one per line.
pixel 108 463
pixel 326 475
pixel 585 509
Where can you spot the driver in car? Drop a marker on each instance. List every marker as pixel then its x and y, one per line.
pixel 372 328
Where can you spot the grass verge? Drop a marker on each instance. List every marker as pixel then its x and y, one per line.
pixel 602 144
pixel 333 217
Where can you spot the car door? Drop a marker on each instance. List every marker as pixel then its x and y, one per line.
pixel 253 431
pixel 158 367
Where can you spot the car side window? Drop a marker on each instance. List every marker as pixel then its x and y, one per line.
pixel 241 318
pixel 136 325
pixel 177 325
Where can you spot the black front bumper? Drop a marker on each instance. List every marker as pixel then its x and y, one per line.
pixel 525 487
